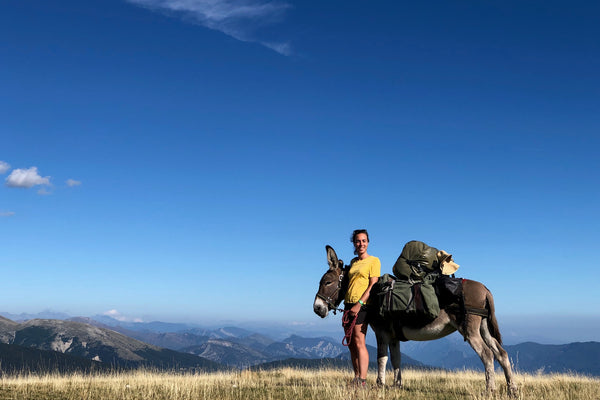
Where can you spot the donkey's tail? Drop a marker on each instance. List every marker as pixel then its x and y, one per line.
pixel 491 320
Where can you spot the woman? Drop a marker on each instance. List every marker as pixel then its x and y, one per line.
pixel 363 274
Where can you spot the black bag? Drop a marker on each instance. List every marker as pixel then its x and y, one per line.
pixel 449 290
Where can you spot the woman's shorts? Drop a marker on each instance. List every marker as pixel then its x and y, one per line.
pixel 361 318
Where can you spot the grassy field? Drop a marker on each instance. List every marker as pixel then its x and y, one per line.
pixel 287 384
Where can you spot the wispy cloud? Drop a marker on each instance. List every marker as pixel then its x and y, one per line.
pixel 239 19
pixel 7 213
pixel 73 182
pixel 114 314
pixel 4 167
pixel 26 178
pixel 44 192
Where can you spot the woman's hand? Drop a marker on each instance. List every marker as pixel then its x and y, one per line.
pixel 355 309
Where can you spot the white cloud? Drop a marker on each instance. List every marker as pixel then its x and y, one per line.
pixel 6 213
pixel 114 314
pixel 26 178
pixel 73 182
pixel 282 48
pixel 236 18
pixel 4 167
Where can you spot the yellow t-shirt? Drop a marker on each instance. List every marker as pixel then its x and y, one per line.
pixel 360 273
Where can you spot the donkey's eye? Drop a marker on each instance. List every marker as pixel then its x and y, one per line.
pixel 328 283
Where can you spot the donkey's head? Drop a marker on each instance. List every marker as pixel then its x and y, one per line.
pixel 332 287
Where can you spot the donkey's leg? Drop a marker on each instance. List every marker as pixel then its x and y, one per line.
pixel 396 359
pixel 502 357
pixel 382 355
pixel 473 336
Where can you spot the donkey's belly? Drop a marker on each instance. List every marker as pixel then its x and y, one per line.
pixel 438 328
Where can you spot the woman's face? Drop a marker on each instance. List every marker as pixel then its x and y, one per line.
pixel 361 242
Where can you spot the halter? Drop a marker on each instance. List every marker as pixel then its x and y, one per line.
pixel 329 299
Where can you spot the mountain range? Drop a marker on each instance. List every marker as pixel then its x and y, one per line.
pixel 579 358
pixel 95 343
pixel 452 353
pixel 98 344
pixel 91 344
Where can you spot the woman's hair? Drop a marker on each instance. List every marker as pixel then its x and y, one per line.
pixel 356 232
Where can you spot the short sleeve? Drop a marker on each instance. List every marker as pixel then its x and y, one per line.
pixel 375 269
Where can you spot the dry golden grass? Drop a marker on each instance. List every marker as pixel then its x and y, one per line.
pixel 288 384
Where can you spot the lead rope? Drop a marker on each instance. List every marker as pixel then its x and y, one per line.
pixel 348 323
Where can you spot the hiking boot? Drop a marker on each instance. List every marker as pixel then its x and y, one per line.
pixel 358 383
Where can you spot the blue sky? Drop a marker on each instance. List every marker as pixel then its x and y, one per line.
pixel 189 161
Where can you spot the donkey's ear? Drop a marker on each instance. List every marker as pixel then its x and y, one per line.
pixel 332 258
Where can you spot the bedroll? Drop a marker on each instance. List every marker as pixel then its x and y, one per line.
pixel 416 261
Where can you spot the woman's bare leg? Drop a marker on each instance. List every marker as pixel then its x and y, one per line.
pixel 360 348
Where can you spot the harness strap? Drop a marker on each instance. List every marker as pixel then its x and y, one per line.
pixel 482 312
pixel 329 300
pixel 330 303
pixel 348 323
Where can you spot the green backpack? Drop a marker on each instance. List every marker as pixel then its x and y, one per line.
pixel 410 303
pixel 416 260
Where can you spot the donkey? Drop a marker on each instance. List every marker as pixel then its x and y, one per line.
pixel 478 325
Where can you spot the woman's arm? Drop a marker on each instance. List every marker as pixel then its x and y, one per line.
pixel 356 308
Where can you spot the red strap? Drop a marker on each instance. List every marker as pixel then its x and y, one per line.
pixel 348 323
